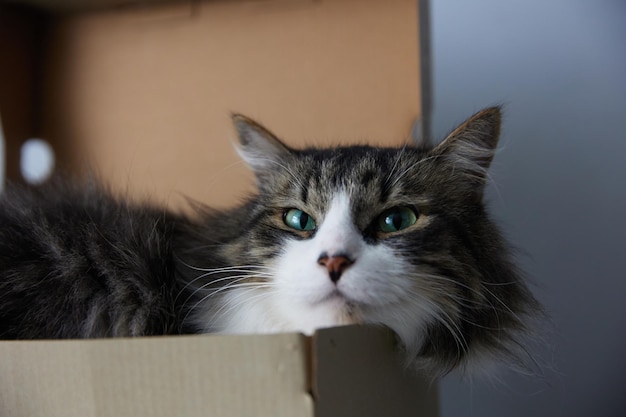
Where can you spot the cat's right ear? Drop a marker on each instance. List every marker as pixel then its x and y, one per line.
pixel 259 147
pixel 472 145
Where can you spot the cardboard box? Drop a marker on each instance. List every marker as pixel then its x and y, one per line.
pixel 141 93
pixel 351 371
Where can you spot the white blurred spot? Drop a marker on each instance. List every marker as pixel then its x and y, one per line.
pixel 36 161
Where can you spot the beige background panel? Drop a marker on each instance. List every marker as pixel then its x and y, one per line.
pixel 143 96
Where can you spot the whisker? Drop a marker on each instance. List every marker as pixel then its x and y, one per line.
pixel 237 283
pixel 444 318
pixel 233 280
pixel 250 270
pixel 229 306
pixel 226 268
pixel 296 178
pixel 392 171
pixel 421 161
pixel 481 296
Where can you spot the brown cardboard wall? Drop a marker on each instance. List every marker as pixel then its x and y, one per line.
pixel 20 37
pixel 143 95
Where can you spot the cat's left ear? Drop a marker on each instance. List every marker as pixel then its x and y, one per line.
pixel 259 147
pixel 471 146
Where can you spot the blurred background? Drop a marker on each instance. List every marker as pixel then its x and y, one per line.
pixel 559 68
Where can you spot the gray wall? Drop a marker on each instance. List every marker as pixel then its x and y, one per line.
pixel 559 67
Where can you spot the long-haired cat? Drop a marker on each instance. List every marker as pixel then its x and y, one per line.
pixel 397 237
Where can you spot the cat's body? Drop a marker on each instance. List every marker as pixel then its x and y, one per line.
pixel 385 236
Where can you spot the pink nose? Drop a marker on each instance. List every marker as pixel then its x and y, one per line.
pixel 336 264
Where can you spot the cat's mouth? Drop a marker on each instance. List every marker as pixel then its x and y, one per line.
pixel 339 300
pixel 333 296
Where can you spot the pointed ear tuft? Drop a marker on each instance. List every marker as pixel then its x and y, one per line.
pixel 259 147
pixel 472 145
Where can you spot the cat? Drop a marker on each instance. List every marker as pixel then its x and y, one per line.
pixel 397 237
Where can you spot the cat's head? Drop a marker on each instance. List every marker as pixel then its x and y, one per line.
pixel 389 236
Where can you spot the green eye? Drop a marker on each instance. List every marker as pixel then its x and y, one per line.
pixel 299 220
pixel 396 219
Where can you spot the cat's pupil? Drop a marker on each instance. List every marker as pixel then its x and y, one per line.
pixel 304 219
pixel 397 220
pixel 298 220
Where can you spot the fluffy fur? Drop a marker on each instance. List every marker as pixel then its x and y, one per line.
pixel 397 237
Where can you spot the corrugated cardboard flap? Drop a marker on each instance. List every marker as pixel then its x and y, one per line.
pixel 359 371
pixel 160 376
pixel 345 371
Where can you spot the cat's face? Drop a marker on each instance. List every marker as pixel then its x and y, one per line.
pixel 395 237
pixel 347 248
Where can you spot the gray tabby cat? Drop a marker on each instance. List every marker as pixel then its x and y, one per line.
pixel 397 237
